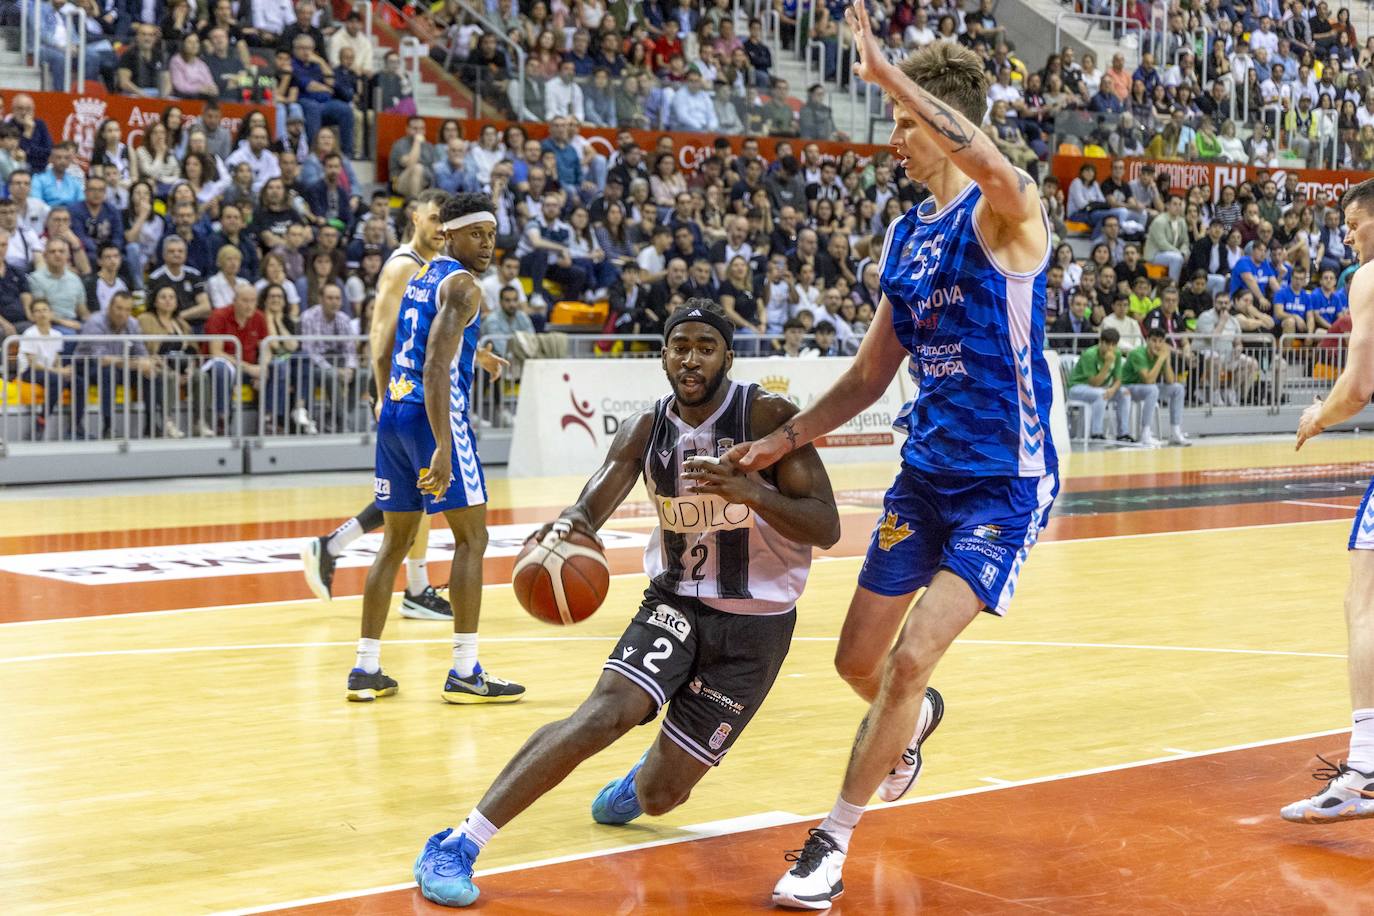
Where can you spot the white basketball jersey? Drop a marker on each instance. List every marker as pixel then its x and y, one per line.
pixel 705 548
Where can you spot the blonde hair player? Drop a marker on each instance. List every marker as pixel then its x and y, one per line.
pixel 1349 790
pixel 963 282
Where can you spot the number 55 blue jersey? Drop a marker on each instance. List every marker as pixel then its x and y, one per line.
pixel 974 332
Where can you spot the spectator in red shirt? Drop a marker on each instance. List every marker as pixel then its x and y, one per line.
pixel 667 45
pixel 243 321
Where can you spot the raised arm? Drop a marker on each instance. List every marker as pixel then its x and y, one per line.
pixel 879 357
pixel 1011 194
pixel 612 482
pixel 459 300
pixel 1355 386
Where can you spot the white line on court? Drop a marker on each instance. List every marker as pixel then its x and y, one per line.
pixel 1303 502
pixel 857 557
pixel 994 780
pixel 270 646
pixel 958 793
pixel 1175 750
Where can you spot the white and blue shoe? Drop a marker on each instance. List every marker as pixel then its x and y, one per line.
pixel 443 869
pixel 618 801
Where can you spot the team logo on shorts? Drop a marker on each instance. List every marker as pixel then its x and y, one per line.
pixel 672 620
pixel 990 533
pixel 988 576
pixel 381 488
pixel 890 534
pixel 720 736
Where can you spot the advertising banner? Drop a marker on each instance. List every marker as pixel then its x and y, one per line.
pixel 1213 175
pixel 76 117
pixel 570 409
pixel 691 148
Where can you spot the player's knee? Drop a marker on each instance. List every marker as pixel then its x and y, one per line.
pixel 854 666
pixel 605 719
pixel 906 666
pixel 659 798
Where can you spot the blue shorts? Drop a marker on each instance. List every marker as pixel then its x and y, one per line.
pixel 1362 532
pixel 404 447
pixel 979 528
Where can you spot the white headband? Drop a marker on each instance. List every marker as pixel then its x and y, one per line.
pixel 470 219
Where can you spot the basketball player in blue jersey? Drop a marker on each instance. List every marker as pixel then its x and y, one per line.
pixel 1349 790
pixel 419 600
pixel 963 282
pixel 426 452
pixel 727 562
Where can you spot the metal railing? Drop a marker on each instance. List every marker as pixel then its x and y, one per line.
pixel 314 385
pixel 494 28
pixel 117 387
pixel 1311 364
pixel 77 29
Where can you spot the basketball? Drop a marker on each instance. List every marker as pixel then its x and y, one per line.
pixel 562 581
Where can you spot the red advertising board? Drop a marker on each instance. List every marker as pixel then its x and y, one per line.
pixel 691 148
pixel 77 116
pixel 1213 176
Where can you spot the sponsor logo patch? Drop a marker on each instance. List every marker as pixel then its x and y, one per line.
pixel 890 534
pixel 990 533
pixel 988 576
pixel 720 737
pixel 381 487
pixel 672 620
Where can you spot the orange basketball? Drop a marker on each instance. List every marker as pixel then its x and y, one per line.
pixel 562 581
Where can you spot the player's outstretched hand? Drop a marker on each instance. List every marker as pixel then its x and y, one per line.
pixel 865 42
pixel 755 456
pixel 1310 424
pixel 492 364
pixel 435 479
pixel 564 525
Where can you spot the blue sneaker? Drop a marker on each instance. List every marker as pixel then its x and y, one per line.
pixel 618 803
pixel 444 871
pixel 480 688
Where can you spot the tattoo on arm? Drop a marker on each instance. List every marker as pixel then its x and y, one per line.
pixel 791 434
pixel 946 124
pixel 1023 181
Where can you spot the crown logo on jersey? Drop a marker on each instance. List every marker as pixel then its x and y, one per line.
pixel 890 534
pixel 399 388
pixel 775 384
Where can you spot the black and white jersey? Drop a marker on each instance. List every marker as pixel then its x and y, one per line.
pixel 705 548
pixel 405 251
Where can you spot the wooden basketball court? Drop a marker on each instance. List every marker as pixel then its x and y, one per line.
pixel 177 740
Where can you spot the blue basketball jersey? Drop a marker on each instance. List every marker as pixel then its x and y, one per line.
pixel 419 305
pixel 973 330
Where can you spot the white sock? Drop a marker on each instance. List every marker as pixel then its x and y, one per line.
pixel 343 535
pixel 464 653
pixel 1362 741
pixel 417 576
pixel 369 655
pixel 476 828
pixel 1177 430
pixel 842 820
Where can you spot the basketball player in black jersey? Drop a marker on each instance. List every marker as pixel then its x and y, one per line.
pixel 728 560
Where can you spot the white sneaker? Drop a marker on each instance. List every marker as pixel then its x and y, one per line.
pixel 538 302
pixel 1148 440
pixel 1349 795
pixel 204 430
pixel 172 431
pixel 814 882
pixel 1232 398
pixel 1178 438
pixel 908 768
pixel 301 418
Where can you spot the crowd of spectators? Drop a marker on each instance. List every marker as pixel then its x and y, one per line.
pixel 197 228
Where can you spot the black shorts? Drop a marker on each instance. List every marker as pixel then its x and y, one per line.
pixel 712 669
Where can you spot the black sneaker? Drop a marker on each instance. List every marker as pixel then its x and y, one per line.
pixel 1125 438
pixel 319 568
pixel 480 688
pixel 364 687
pixel 428 605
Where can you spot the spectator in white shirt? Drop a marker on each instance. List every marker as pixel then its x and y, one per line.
pixel 1265 38
pixel 1000 91
pixel 40 359
pixel 223 287
pixel 261 160
pixel 562 95
pixel 351 36
pixel 271 17
pixel 693 109
pixel 919 33
pixel 505 276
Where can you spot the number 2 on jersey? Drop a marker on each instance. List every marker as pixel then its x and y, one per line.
pixel 411 318
pixel 700 552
